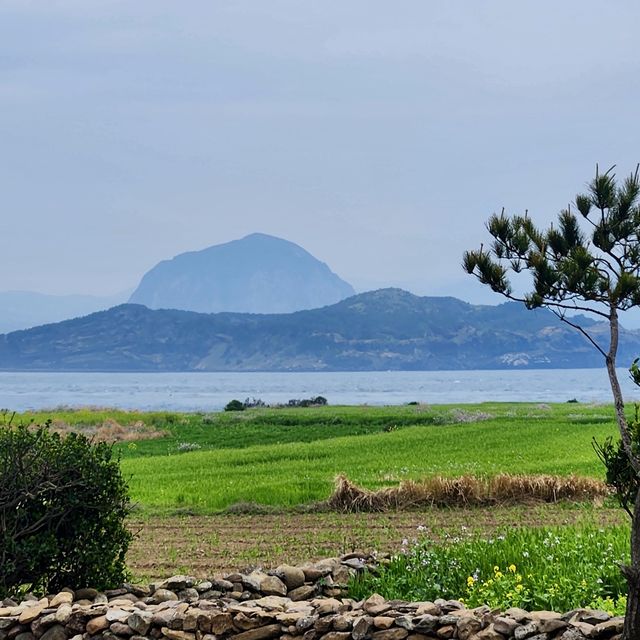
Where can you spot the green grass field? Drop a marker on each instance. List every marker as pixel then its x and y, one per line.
pixel 286 457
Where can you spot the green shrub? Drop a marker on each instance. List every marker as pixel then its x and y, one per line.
pixel 235 405
pixel 63 502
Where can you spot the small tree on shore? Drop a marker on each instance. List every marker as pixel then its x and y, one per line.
pixel 589 262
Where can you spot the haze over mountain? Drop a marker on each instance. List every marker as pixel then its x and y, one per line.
pixel 389 329
pixel 26 309
pixel 256 274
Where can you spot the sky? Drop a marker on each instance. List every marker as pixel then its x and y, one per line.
pixel 380 136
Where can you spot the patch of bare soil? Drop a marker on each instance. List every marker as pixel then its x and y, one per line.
pixel 205 546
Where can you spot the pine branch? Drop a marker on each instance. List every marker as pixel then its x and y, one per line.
pixel 582 330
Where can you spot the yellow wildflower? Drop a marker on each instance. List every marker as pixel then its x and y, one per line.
pixel 470 581
pixel 512 568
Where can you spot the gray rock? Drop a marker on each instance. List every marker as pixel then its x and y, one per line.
pixel 552 626
pixel 361 628
pixel 526 631
pixel 571 634
pixel 178 583
pixel 302 593
pixel 489 633
pixel 293 577
pixel 117 615
pixel 188 595
pixel 177 634
pixel 395 633
pixel 376 605
pixel 272 586
pixel 446 632
pixel 221 623
pixel 504 626
pixel 97 624
pixel 140 621
pixel 86 594
pixel 139 590
pixel 163 595
pixel 261 633
pixel 57 632
pixel 609 628
pixel 121 629
pixel 594 617
pixel 518 614
pixel 342 575
pixel 336 635
pixel 64 597
pixel 252 581
pixel 63 614
pixel 383 622
pixel 468 626
pixel 342 623
pixel 222 585
pixel 305 622
pixel 355 563
pixel 451 605
pixel 405 622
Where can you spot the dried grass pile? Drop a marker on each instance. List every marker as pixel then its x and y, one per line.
pixel 465 491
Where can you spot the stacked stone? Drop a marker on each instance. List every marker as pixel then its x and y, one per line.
pixel 292 603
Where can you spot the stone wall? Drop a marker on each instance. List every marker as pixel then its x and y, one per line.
pixel 294 603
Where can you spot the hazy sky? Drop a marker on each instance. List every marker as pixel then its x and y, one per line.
pixel 378 135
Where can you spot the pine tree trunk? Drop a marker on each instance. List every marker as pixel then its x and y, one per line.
pixel 632 574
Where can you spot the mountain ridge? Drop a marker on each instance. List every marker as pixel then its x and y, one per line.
pixel 387 329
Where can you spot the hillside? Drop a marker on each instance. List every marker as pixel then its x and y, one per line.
pixel 388 329
pixel 257 274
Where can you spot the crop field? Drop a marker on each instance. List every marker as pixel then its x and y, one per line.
pixel 237 490
pixel 286 457
pixel 204 464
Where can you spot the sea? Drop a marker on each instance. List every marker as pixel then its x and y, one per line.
pixel 208 392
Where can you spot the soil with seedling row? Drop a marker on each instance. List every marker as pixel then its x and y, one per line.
pixel 203 546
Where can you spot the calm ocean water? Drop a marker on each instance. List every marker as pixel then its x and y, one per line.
pixel 211 391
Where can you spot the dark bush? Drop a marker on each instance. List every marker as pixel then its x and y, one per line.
pixel 253 403
pixel 63 502
pixel 235 405
pixel 318 401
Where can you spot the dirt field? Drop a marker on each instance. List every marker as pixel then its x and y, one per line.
pixel 204 546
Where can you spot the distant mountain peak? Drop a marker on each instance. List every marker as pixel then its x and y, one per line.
pixel 259 273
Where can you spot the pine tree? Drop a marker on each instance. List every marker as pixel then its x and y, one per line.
pixel 588 263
